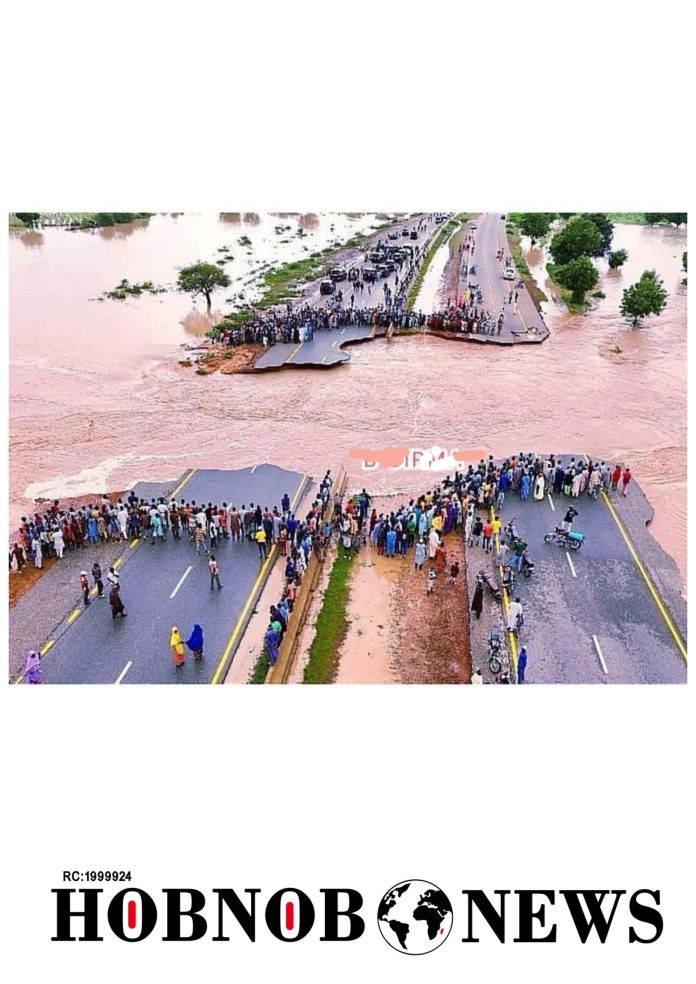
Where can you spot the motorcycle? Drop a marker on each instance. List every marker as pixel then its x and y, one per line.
pixel 527 568
pixel 495 659
pixel 486 580
pixel 511 531
pixel 565 538
pixel 473 269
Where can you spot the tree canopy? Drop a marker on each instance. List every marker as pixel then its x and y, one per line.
pixel 606 228
pixel 678 218
pixel 536 224
pixel 579 237
pixel 646 297
pixel 202 278
pixel 579 276
pixel 28 218
pixel 617 258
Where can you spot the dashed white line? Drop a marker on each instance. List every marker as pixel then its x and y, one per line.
pixel 570 564
pixel 548 494
pixel 253 469
pixel 124 671
pixel 181 581
pixel 323 359
pixel 600 654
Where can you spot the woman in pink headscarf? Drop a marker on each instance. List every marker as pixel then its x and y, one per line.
pixel 32 668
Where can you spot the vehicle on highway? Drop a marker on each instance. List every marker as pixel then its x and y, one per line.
pixel 473 225
pixel 375 255
pixel 393 235
pixel 337 274
pixel 326 287
pixel 571 539
pixel 414 234
pixel 405 232
pixel 495 660
pixel 508 273
pixel 369 274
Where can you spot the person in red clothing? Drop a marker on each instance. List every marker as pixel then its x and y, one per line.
pixel 488 536
pixel 615 476
pixel 625 480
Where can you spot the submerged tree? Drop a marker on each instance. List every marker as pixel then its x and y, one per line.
pixel 536 224
pixel 29 219
pixel 606 229
pixel 646 297
pixel 578 276
pixel 202 278
pixel 579 237
pixel 617 258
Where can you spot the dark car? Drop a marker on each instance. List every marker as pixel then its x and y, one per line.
pixel 393 235
pixel 326 287
pixel 369 274
pixel 404 232
pixel 337 274
pixel 414 234
pixel 375 255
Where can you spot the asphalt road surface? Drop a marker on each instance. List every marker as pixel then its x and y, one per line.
pixel 589 615
pixel 490 236
pixel 325 348
pixel 168 584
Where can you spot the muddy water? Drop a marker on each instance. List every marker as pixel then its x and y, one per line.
pixel 97 398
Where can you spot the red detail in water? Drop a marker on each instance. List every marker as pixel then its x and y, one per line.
pixel 131 915
pixel 289 916
pixel 441 932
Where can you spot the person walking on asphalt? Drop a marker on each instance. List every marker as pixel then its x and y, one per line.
pixel 115 602
pixel 84 588
pixel 32 668
pixel 521 664
pixel 570 515
pixel 514 619
pixel 97 575
pixel 214 572
pixel 195 641
pixel 477 603
pixel 113 577
pixel 626 478
pixel 199 537
pixel 260 537
pixel 477 676
pixel 271 641
pixel 177 647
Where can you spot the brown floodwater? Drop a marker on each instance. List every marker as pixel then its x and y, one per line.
pixel 97 399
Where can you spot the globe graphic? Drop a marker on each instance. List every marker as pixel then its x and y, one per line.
pixel 415 916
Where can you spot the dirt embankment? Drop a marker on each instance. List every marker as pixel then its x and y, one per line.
pixel 228 361
pixel 400 634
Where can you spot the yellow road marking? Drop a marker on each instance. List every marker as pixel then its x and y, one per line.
pixel 512 641
pixel 73 615
pixel 49 644
pixel 119 560
pixel 181 485
pixel 133 543
pixel 294 352
pixel 656 598
pixel 264 567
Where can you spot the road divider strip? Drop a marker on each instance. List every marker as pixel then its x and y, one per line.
pixel 600 654
pixel 570 563
pixel 548 496
pixel 181 581
pixel 124 671
pixel 512 641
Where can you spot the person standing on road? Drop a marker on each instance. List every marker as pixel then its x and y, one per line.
pixel 97 575
pixel 113 577
pixel 615 476
pixel 260 537
pixel 199 537
pixel 32 668
pixel 477 676
pixel 521 664
pixel 477 603
pixel 419 557
pixel 625 479
pixel 177 647
pixel 214 572
pixel 84 588
pixel 487 536
pixel 570 515
pixel 271 641
pixel 115 602
pixel 195 641
pixel 514 615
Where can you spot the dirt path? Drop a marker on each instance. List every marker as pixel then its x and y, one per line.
pixel 398 633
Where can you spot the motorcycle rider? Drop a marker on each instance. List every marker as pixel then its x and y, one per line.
pixel 570 515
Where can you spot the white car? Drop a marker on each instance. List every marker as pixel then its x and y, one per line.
pixel 473 225
pixel 509 273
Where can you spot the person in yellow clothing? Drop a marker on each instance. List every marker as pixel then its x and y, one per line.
pixel 260 537
pixel 177 647
pixel 496 524
pixel 437 522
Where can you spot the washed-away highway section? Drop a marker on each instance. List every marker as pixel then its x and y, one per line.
pixel 168 584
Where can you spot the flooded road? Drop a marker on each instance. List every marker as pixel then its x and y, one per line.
pixel 98 400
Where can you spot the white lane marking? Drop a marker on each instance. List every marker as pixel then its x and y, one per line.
pixel 181 581
pixel 335 344
pixel 551 501
pixel 253 469
pixel 124 671
pixel 342 330
pixel 323 359
pixel 570 564
pixel 600 654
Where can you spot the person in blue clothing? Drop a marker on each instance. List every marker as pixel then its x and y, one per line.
pixel 271 639
pixel 195 641
pixel 521 664
pixel 285 504
pixel 524 486
pixel 390 542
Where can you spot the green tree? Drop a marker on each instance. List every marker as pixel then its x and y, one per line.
pixel 652 218
pixel 606 228
pixel 617 258
pixel 536 224
pixel 202 278
pixel 579 276
pixel 28 218
pixel 684 260
pixel 678 218
pixel 646 297
pixel 579 237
